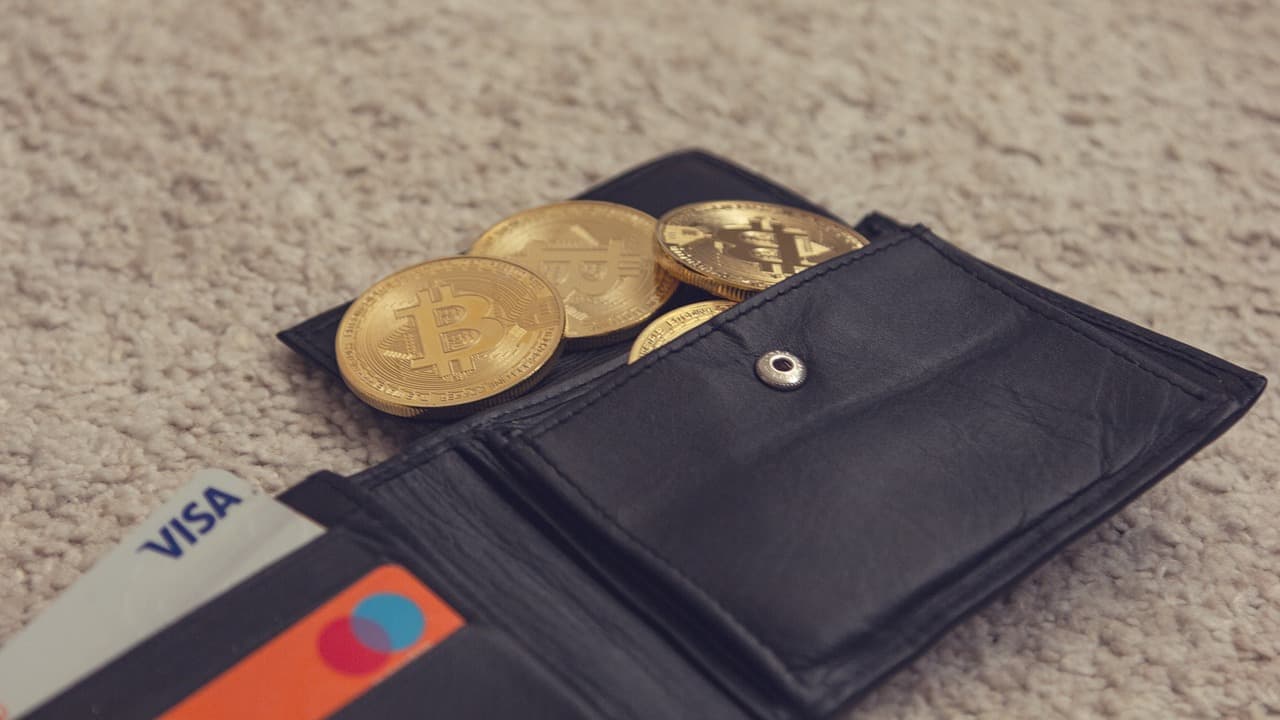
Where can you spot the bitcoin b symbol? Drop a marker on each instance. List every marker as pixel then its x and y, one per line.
pixel 592 269
pixel 451 330
pixel 772 247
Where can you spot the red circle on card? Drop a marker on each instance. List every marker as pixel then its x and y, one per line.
pixel 342 649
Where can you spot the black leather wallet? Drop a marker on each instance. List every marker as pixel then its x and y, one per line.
pixel 675 538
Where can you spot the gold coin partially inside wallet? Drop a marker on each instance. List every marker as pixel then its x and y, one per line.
pixel 672 325
pixel 456 335
pixel 734 248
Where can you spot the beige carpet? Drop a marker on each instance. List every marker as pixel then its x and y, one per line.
pixel 179 180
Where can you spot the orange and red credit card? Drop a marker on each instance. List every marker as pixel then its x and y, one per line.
pixel 331 657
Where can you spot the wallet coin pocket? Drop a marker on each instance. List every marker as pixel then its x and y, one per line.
pixel 951 431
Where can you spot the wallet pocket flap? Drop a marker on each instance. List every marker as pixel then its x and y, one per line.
pixel 952 432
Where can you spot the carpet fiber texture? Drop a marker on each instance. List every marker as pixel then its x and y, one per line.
pixel 180 180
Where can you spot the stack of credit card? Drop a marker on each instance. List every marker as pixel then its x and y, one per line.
pixel 213 534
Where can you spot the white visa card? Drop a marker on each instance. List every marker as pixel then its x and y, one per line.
pixel 213 533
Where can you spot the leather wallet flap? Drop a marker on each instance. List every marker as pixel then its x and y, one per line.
pixel 954 430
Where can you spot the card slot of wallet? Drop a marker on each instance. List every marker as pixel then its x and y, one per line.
pixel 955 429
pixel 166 667
pixel 477 672
pixel 441 509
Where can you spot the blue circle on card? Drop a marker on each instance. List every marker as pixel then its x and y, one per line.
pixel 388 622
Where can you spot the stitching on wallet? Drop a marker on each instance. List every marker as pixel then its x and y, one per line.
pixel 1058 321
pixel 1156 341
pixel 452 437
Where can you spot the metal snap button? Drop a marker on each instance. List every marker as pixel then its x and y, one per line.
pixel 781 370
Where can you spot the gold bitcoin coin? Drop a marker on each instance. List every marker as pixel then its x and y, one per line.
pixel 734 248
pixel 672 325
pixel 598 255
pixel 449 336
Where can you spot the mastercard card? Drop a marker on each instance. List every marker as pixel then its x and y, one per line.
pixel 332 656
